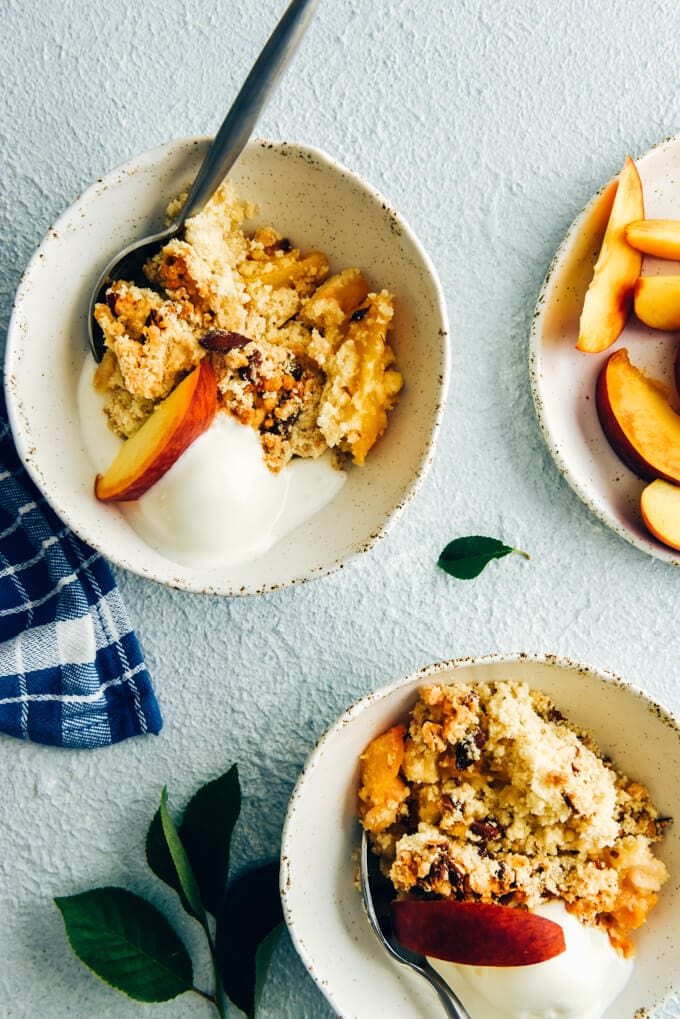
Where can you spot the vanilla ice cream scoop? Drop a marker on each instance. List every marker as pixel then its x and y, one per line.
pixel 219 504
pixel 581 983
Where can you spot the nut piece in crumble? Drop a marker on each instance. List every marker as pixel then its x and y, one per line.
pixel 491 795
pixel 312 367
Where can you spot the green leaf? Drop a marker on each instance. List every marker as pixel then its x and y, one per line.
pixel 251 912
pixel 160 860
pixel 127 942
pixel 263 957
pixel 465 558
pixel 205 832
pixel 185 874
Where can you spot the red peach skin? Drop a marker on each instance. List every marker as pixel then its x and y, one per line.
pixel 660 508
pixel 641 426
pixel 476 933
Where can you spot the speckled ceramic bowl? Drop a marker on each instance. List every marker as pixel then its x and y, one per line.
pixel 318 204
pixel 322 906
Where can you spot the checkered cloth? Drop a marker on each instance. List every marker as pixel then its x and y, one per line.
pixel 71 670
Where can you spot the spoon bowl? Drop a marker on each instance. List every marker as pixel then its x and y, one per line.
pixel 128 265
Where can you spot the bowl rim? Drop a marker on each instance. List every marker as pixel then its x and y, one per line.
pixel 362 704
pixel 491 658
pixel 604 515
pixel 217 587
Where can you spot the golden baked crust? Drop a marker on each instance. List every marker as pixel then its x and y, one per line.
pixel 307 361
pixel 503 800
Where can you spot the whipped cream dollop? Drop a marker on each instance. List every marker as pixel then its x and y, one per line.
pixel 218 505
pixel 581 983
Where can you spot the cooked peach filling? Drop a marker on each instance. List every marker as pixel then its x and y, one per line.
pixel 489 794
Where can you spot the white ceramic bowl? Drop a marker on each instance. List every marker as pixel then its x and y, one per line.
pixel 318 204
pixel 322 906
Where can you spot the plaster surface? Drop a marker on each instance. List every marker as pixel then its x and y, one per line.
pixel 488 125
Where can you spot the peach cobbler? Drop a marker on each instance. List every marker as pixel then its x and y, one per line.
pixel 300 355
pixel 489 794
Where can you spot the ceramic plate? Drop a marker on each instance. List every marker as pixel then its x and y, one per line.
pixel 318 204
pixel 322 905
pixel 563 379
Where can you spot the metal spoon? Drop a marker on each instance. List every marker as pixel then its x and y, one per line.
pixel 229 141
pixel 377 893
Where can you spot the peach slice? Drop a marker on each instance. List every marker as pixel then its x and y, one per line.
pixel 382 789
pixel 641 426
pixel 609 297
pixel 174 424
pixel 660 237
pixel 660 507
pixel 657 301
pixel 476 933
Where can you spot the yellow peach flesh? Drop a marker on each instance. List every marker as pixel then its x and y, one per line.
pixel 657 302
pixel 382 789
pixel 171 428
pixel 637 419
pixel 658 237
pixel 609 297
pixel 660 507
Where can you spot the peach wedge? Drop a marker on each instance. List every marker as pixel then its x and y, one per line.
pixel 382 789
pixel 657 302
pixel 476 933
pixel 660 508
pixel 609 297
pixel 659 237
pixel 171 428
pixel 641 426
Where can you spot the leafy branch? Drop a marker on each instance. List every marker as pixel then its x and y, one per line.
pixel 132 946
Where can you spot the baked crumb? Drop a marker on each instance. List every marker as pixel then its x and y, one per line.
pixel 312 369
pixel 265 386
pixel 125 411
pixel 491 795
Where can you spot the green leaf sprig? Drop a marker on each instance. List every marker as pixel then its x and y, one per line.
pixel 465 558
pixel 132 946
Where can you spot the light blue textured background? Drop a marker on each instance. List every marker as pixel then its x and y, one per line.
pixel 488 125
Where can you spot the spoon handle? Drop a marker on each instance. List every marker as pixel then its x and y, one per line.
pixel 449 1000
pixel 249 103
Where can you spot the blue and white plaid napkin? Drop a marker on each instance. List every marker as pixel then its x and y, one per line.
pixel 71 669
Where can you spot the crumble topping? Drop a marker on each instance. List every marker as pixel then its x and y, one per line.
pixel 490 794
pixel 312 367
pixel 265 386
